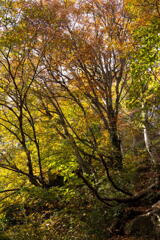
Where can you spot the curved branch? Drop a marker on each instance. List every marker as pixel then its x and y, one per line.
pixel 111 180
pixel 105 200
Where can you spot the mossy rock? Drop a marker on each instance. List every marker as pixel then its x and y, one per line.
pixel 140 226
pixel 146 225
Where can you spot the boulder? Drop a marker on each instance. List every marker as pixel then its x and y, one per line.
pixel 146 225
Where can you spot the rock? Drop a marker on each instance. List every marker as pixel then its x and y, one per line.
pixel 140 226
pixel 146 225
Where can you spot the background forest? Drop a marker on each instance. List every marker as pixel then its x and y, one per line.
pixel 79 119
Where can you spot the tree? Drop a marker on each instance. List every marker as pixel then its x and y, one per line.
pixel 65 84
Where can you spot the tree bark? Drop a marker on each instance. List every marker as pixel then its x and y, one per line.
pixel 117 151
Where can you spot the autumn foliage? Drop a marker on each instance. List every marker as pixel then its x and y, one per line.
pixel 79 116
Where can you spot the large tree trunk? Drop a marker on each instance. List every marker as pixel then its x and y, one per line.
pixel 117 150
